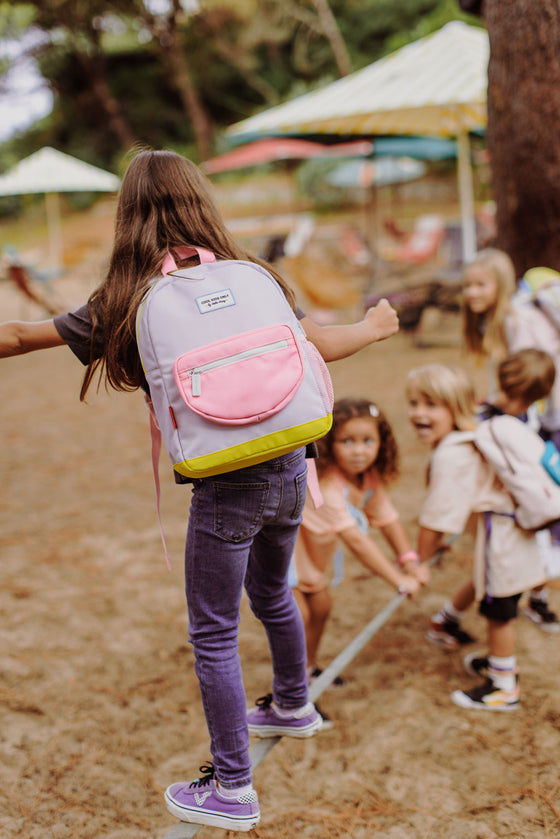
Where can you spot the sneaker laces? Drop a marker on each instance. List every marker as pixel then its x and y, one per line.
pixel 207 770
pixel 263 702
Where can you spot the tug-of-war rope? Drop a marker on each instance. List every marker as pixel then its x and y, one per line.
pixel 258 752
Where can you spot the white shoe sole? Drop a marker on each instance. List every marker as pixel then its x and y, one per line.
pixel 444 643
pixel 538 621
pixel 283 731
pixel 463 701
pixel 210 819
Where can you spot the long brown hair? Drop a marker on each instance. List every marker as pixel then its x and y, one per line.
pixel 164 203
pixel 484 333
pixel 387 462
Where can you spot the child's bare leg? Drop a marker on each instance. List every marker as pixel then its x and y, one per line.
pixel 464 597
pixel 316 610
pixel 501 638
pixel 445 630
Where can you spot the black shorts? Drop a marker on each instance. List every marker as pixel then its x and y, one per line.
pixel 502 609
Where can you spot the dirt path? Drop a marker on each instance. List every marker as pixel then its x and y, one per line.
pixel 99 706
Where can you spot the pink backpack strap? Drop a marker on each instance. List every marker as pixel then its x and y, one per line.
pixel 155 434
pixel 170 265
pixel 313 483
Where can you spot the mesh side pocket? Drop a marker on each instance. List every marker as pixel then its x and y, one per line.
pixel 322 375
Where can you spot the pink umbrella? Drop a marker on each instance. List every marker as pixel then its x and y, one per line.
pixel 282 148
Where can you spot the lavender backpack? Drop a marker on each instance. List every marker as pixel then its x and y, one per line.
pixel 233 379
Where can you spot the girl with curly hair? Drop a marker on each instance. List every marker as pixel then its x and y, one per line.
pixel 358 459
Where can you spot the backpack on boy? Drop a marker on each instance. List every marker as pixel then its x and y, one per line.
pixel 528 467
pixel 233 379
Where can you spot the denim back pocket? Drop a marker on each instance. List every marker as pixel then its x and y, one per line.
pixel 239 509
pixel 300 485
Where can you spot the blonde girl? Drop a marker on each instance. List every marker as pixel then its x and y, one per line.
pixel 441 408
pixel 499 318
pixel 489 284
pixel 358 459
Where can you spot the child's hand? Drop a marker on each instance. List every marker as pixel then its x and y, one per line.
pixel 383 320
pixel 420 570
pixel 408 585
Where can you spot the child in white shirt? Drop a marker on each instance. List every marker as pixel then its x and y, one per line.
pixel 461 484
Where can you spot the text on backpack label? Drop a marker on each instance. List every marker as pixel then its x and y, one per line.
pixel 215 300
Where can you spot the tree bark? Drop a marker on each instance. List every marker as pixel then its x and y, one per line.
pixel 524 128
pixel 194 109
pixel 333 35
pixel 94 67
pixel 165 28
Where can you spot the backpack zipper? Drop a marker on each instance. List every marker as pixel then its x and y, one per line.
pixel 195 372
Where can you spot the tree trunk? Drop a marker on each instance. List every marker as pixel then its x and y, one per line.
pixel 180 75
pixel 115 119
pixel 165 28
pixel 93 63
pixel 333 35
pixel 524 127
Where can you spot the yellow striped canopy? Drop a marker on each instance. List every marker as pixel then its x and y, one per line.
pixel 434 86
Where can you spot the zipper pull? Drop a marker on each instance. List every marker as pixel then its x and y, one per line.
pixel 195 382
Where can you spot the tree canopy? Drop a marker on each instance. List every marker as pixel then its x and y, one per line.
pixel 175 72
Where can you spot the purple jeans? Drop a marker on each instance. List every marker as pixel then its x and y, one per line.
pixel 242 530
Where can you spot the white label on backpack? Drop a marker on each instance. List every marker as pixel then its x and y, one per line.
pixel 215 300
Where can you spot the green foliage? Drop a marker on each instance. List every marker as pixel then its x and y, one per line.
pixel 15 18
pixel 443 12
pixel 312 182
pixel 10 206
pixel 370 25
pixel 241 57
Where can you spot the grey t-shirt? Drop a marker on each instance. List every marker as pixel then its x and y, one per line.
pixel 75 329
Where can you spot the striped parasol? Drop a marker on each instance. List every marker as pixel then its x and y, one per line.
pixel 436 86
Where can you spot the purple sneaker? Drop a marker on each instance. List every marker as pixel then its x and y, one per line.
pixel 263 720
pixel 200 802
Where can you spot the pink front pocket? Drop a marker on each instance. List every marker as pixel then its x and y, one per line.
pixel 243 379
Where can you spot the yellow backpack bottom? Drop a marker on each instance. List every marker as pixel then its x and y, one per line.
pixel 256 450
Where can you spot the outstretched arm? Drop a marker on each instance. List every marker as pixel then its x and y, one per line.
pixel 18 337
pixel 372 557
pixel 407 559
pixel 335 342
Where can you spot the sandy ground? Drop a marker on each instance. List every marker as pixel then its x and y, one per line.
pixel 99 705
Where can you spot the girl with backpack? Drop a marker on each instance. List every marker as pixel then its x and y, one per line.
pixel 507 561
pixel 500 317
pixel 242 525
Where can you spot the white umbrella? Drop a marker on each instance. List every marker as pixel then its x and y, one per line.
pixel 50 171
pixel 435 86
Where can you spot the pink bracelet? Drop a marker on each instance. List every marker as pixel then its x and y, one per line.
pixel 408 556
